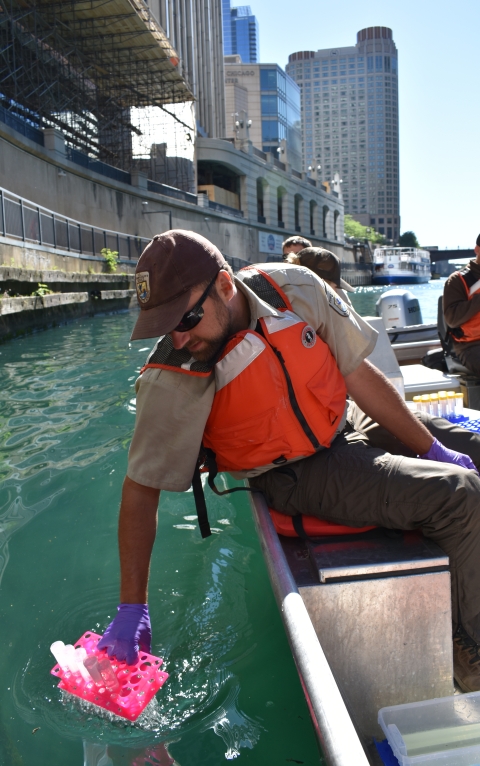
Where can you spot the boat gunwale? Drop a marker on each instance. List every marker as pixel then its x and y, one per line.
pixel 336 733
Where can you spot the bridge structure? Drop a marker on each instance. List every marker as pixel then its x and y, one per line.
pixel 449 255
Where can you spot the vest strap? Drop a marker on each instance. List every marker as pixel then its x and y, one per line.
pixel 297 522
pixel 200 503
pixel 211 463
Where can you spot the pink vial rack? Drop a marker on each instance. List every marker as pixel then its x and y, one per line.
pixel 138 683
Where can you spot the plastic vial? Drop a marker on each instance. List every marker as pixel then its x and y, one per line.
pixel 109 677
pixel 58 651
pixel 451 402
pixel 71 658
pixel 417 400
pixel 80 655
pixel 426 404
pixel 458 404
pixel 442 404
pixel 91 664
pixel 433 404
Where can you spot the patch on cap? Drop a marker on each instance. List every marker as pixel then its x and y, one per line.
pixel 142 283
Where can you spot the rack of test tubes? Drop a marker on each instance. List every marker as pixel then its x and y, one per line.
pixel 448 405
pixel 442 404
pixel 88 673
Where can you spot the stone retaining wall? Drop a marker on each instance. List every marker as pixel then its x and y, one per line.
pixel 28 313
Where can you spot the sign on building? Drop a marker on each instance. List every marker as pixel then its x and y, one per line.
pixel 270 243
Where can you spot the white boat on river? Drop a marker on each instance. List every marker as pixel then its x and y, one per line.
pixel 400 266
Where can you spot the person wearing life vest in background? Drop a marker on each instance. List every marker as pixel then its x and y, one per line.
pixel 461 308
pixel 324 264
pixel 251 373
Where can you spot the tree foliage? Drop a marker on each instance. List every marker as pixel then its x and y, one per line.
pixel 408 239
pixel 355 229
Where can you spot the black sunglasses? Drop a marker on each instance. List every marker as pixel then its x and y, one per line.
pixel 193 317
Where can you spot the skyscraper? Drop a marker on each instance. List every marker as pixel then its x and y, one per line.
pixel 240 33
pixel 350 123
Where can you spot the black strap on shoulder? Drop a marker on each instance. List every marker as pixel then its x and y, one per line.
pixel 200 503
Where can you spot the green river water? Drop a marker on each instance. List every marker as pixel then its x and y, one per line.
pixel 233 692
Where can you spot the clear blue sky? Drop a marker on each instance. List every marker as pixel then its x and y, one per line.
pixel 439 90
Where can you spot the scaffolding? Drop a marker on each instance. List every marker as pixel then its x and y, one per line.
pixel 104 73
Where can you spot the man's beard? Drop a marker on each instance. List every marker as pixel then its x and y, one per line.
pixel 214 345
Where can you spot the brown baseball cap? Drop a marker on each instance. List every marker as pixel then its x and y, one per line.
pixel 325 264
pixel 170 266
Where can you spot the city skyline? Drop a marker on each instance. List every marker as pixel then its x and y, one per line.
pixel 439 111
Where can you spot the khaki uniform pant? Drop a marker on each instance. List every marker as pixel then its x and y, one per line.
pixel 369 477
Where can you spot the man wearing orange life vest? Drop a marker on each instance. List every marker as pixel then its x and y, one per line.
pixel 257 367
pixel 461 307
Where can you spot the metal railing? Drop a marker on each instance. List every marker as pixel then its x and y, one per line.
pixel 23 220
pixel 259 153
pixel 172 191
pixel 97 166
pixel 225 209
pixel 21 125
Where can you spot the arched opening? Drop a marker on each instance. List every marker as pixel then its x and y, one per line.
pixel 313 216
pixel 220 183
pixel 281 199
pixel 298 206
pixel 261 211
pixel 325 220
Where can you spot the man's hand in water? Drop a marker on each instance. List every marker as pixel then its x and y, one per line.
pixel 127 633
pixel 442 454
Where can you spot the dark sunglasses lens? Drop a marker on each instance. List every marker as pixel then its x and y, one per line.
pixel 189 321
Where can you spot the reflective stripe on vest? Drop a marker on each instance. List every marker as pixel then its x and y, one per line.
pixel 278 397
pixel 469 330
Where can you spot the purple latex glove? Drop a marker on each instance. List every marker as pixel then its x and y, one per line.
pixel 444 455
pixel 127 633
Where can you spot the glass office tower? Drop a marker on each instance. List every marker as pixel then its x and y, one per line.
pixel 240 33
pixel 280 112
pixel 350 123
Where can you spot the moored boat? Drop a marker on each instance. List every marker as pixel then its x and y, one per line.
pixel 400 265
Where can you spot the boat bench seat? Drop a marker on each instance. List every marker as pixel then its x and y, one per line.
pixel 380 603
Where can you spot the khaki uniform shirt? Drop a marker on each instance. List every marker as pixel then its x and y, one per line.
pixel 172 409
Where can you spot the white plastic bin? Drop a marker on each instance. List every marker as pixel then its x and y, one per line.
pixel 438 732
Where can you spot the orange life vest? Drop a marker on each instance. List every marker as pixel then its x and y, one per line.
pixel 279 393
pixel 469 331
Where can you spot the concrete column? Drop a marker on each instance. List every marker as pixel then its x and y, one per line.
pixel 139 179
pixel 270 204
pixel 54 140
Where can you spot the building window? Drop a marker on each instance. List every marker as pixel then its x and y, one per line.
pixel 269 104
pixel 271 130
pixel 268 79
